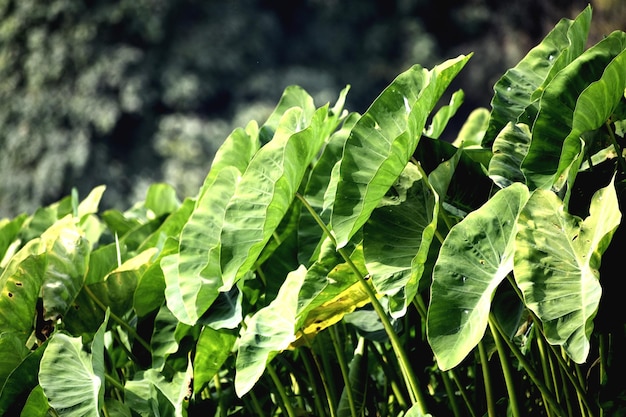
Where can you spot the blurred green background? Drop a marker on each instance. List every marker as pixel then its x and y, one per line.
pixel 127 93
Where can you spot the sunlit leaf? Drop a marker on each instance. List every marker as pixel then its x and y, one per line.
pixel 517 88
pixel 73 378
pixel 475 257
pixel 557 259
pixel 382 142
pixel 190 289
pixel 269 331
pixel 268 187
pixel 555 134
pixel 397 237
pixel 161 199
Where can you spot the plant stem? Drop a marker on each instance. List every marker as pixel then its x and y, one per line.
pixel 484 362
pixel 417 398
pixel 461 389
pixel 314 386
pixel 390 374
pixel 506 370
pixel 344 369
pixel 547 394
pixel 450 392
pixel 118 320
pixel 116 384
pixel 288 409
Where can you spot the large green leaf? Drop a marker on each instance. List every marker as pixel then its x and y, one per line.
pixel 190 289
pixel 555 134
pixel 517 88
pixel 73 378
pixel 382 142
pixel 475 257
pixel 397 237
pixel 267 188
pixel 557 259
pixel 269 331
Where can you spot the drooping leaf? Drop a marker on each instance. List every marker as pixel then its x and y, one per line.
pixel 517 88
pixel 475 257
pixel 557 259
pixel 269 331
pixel 397 237
pixel 71 377
pixel 509 149
pixel 555 134
pixel 117 289
pixel 382 142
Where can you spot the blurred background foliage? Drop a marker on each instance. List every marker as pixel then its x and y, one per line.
pixel 130 92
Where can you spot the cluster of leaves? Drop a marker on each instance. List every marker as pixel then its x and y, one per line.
pixel 329 246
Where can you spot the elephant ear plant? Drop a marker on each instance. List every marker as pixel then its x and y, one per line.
pixel 343 264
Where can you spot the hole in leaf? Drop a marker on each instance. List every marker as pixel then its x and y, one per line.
pixel 18 283
pixel 10 295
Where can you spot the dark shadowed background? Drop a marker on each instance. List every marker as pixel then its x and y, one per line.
pixel 130 92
